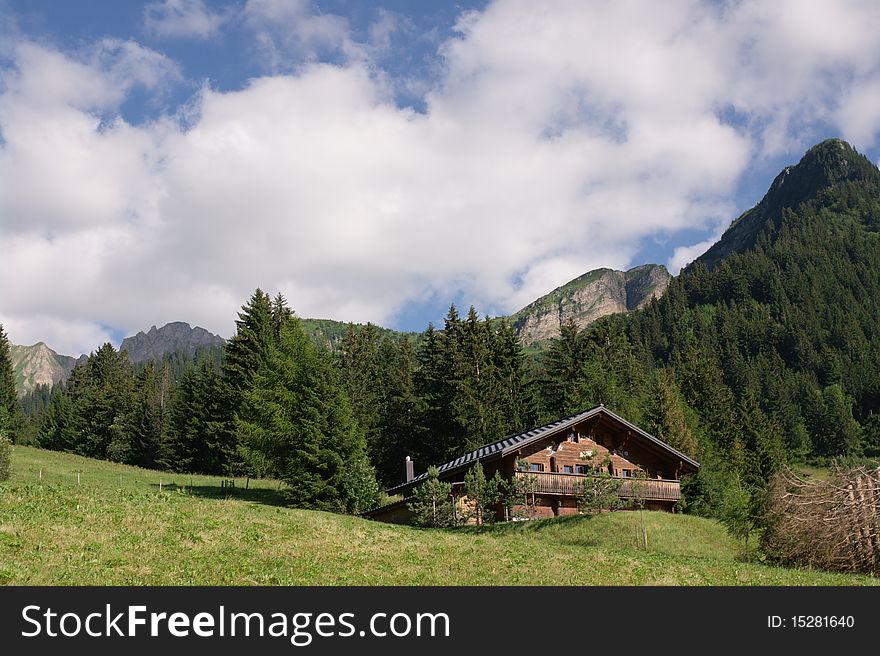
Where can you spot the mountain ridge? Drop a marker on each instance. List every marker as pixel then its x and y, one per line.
pixel 173 336
pixel 828 163
pixel 589 297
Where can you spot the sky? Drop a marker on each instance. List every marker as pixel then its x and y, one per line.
pixel 376 161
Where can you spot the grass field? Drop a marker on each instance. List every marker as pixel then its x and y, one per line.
pixel 115 527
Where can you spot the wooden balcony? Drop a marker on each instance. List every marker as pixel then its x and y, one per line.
pixel 650 489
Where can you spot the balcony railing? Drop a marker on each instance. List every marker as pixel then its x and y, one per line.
pixel 649 489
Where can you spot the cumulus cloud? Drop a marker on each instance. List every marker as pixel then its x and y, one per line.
pixel 183 18
pixel 557 137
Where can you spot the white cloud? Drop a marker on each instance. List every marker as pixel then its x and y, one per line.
pixel 183 18
pixel 292 31
pixel 559 136
pixel 684 255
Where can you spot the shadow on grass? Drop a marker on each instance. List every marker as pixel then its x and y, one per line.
pixel 527 527
pixel 261 495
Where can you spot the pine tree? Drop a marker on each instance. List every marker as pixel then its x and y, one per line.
pixel 245 353
pixel 149 416
pixel 482 494
pixel 280 314
pixel 297 416
pixel 399 431
pixel 562 373
pixel 361 378
pixel 433 504
pixel 102 395
pixel 517 401
pixel 668 416
pixel 476 401
pixel 247 350
pixel 198 439
pixel 9 406
pixel 57 430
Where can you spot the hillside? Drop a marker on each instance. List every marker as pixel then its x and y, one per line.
pixel 329 332
pixel 832 164
pixel 39 365
pixel 772 337
pixel 117 528
pixel 588 297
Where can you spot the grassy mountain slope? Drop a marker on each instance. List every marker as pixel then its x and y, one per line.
pixel 117 528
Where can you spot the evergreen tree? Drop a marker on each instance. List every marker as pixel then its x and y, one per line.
pixel 668 416
pixel 5 449
pixel 562 373
pixel 834 430
pixel 247 350
pixel 8 395
pixel 57 430
pixel 245 353
pixel 297 416
pixel 477 394
pixel 433 504
pixel 198 439
pixel 362 379
pixel 101 396
pixel 149 416
pixel 482 494
pixel 517 401
pixel 400 431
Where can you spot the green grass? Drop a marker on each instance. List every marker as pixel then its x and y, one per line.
pixel 117 528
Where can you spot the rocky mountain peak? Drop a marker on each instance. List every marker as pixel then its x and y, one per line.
pixel 588 297
pixel 174 336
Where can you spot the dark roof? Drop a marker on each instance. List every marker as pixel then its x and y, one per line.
pixel 503 447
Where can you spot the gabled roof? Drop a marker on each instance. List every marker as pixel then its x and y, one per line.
pixel 504 447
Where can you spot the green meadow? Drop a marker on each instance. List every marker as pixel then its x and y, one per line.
pixel 117 527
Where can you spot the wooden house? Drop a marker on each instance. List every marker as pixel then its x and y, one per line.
pixel 553 461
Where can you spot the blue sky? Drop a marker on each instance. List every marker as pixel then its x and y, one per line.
pixel 378 160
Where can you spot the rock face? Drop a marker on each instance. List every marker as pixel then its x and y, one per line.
pixel 171 337
pixel 39 365
pixel 587 298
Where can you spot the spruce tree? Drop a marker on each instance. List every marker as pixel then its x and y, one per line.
pixel 668 418
pixel 482 494
pixel 297 416
pixel 198 439
pixel 246 351
pixel 8 396
pixel 562 373
pixel 432 504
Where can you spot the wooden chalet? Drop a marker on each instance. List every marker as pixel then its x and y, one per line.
pixel 555 459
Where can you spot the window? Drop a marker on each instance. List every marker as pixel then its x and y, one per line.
pixel 626 473
pixel 580 469
pixel 599 440
pixel 568 469
pixel 536 466
pixel 573 437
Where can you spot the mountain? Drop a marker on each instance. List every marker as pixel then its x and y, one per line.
pixel 777 326
pixel 827 165
pixel 39 365
pixel 588 297
pixel 174 336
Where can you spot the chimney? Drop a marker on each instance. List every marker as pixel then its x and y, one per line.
pixel 408 468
